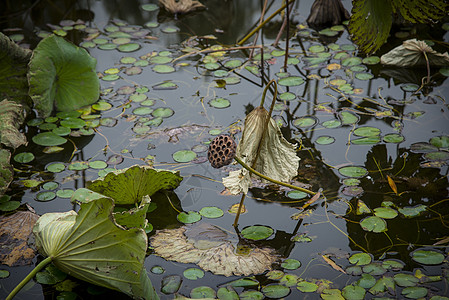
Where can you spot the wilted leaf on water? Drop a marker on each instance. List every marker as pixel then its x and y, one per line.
pixel 330 262
pixel 277 158
pixel 6 170
pixel 411 53
pixel 212 249
pixel 62 75
pixel 13 65
pixel 14 232
pixel 92 247
pixel 12 116
pixel 128 186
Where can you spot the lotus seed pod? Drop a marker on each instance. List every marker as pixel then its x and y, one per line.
pixel 221 151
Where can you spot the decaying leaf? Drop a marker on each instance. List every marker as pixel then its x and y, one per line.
pixel 181 6
pixel 92 247
pixel 277 158
pixel 332 264
pixel 212 249
pixel 14 232
pixel 413 53
pixel 6 170
pixel 12 116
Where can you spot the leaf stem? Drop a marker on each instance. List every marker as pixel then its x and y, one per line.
pixel 30 276
pixel 263 23
pixel 271 179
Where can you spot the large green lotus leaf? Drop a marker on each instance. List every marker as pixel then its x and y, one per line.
pixel 92 247
pixel 277 158
pixel 6 170
pixel 13 69
pixel 11 118
pixel 62 75
pixel 134 217
pixel 128 186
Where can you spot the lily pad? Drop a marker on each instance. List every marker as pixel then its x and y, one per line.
pixel 211 212
pixel 307 287
pixel 405 280
pixel 291 81
pixel 415 292
pixel 171 284
pixel 374 224
pixel 412 211
pixel 193 273
pixel 129 47
pixel 48 139
pixel 360 259
pixel 428 257
pixel 394 138
pixel 62 75
pixel 348 118
pixel 56 167
pixel 385 212
pixel 367 131
pixel 163 69
pixel 257 232
pixel 305 122
pixel 325 140
pixel 275 291
pixel 163 112
pixel 24 157
pixel 353 292
pixel 291 264
pixel 189 217
pixel 220 103
pixel 353 171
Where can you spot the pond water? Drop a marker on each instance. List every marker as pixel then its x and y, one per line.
pixel 342 110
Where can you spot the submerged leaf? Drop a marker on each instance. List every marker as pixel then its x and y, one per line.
pixel 277 157
pixel 212 249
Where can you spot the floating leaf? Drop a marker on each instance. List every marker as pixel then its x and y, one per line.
pixel 202 292
pixel 163 112
pixel 394 138
pixel 374 224
pixel 428 257
pixel 412 211
pixel 366 281
pixel 189 217
pixel 275 291
pixel 360 259
pixel 353 171
pixel 193 273
pixel 45 196
pixel 183 156
pixel 291 264
pixel 130 47
pixel 367 131
pixel 24 157
pixel 149 7
pixel 307 287
pixel 385 212
pixel 56 167
pixel 331 294
pixel 382 285
pixel 48 139
pixel 227 293
pixel 171 284
pixel 405 280
pixel 257 232
pixel 437 156
pixel 332 124
pixel 414 292
pixel 211 212
pixel 62 75
pixel 353 292
pixel 325 140
pixel 291 81
pixel 351 61
pixel 440 141
pixel 163 69
pixel 305 122
pixel 348 118
pixel 220 103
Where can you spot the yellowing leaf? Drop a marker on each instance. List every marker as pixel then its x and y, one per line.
pixel 333 264
pixel 277 158
pixel 392 185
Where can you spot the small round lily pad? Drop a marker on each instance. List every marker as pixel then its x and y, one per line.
pixel 291 81
pixel 428 257
pixel 220 102
pixel 183 156
pixel 257 232
pixel 163 112
pixel 275 291
pixel 56 167
pixel 305 122
pixel 211 212
pixel 353 171
pixel 291 264
pixel 189 217
pixel 48 139
pixel 374 224
pixel 24 157
pixel 129 47
pixel 193 273
pixel 45 196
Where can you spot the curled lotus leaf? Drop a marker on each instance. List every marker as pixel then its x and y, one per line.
pixel 277 157
pixel 212 249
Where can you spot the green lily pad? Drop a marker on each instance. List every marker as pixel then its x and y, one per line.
pixel 354 270
pixel 325 140
pixel 101 106
pixel 317 48
pixel 244 282
pixel 163 112
pixel 163 69
pixel 183 156
pixel 374 224
pixel 4 273
pixel 73 123
pixel 305 122
pixel 188 217
pixel 428 257
pixel 170 29
pixel 365 141
pixel 50 275
pixel 296 194
pixel 141 111
pixel 9 205
pixel 374 269
pixel 55 167
pixel 366 281
pixel 62 75
pixel 157 270
pixel 130 47
pixel 392 264
pixel 291 264
pixel 382 285
pixel 233 63
pixel 353 171
pixel 257 232
pixel 202 292
pixel 412 211
pixel 415 292
pixel 62 131
pixel 211 212
pixel 47 126
pixel 331 294
pixel 48 139
pixel 287 96
pixel 193 273
pixel 51 185
pixel 149 7
pixel 24 157
pixel 291 81
pixel 307 287
pixel 65 193
pixel 353 292
pixel 78 166
pixel 220 103
pixel 171 284
pixel 160 60
pixel 371 60
pixel 405 280
pixel 275 291
pixel 97 164
pixel 360 259
pixel 394 138
pixel 227 293
pixel 437 156
pixel 385 212
pixel 409 87
pixel 331 124
pixel 364 76
pixel 351 61
pixel 348 118
pixel 251 295
pixel 367 131
pixel 440 141
pixel 45 196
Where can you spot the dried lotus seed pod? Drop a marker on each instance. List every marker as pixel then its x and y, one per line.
pixel 221 151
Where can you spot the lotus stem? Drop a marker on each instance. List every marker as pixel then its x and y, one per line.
pixel 30 276
pixel 271 179
pixel 263 23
